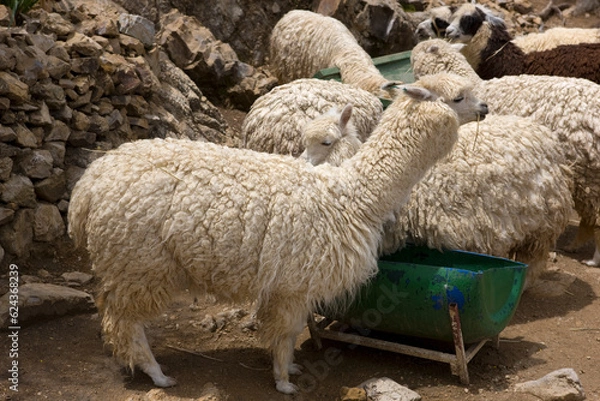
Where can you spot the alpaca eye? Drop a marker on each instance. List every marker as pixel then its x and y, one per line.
pixel 326 143
pixel 458 99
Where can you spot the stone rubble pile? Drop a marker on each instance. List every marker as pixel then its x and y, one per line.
pixel 74 83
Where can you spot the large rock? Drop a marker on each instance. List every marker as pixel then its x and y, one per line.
pixel 16 237
pixel 38 300
pixel 18 190
pixel 48 223
pixel 560 385
pixel 385 389
pixel 139 27
pixel 212 64
pixel 13 88
pixel 7 134
pixel 36 164
pixel 52 188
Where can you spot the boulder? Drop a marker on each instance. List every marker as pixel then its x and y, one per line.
pixel 39 300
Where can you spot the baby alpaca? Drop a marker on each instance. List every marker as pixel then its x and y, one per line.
pixel 331 137
pixel 159 215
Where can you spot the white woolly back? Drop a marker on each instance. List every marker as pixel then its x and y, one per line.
pixel 275 121
pixel 558 36
pixel 303 42
pixel 567 106
pixel 504 187
pixel 437 55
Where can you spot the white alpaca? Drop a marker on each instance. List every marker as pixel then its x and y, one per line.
pixel 157 215
pixel 330 137
pixel 303 42
pixel 275 121
pixel 568 106
pixel 504 190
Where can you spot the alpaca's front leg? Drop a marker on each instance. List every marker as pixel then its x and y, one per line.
pixel 283 321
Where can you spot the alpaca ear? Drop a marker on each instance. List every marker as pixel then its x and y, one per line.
pixel 418 93
pixel 390 84
pixel 345 116
pixel 457 46
pixel 433 49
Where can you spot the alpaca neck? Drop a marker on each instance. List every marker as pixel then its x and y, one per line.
pixel 489 39
pixel 359 70
pixel 410 138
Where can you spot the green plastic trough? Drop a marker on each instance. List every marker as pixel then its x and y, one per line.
pixel 395 67
pixel 414 288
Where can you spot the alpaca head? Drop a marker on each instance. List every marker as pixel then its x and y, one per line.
pixel 467 20
pixel 434 26
pixel 455 91
pixel 330 137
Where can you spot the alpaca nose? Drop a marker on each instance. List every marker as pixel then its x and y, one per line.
pixel 483 110
pixel 452 32
pixel 420 33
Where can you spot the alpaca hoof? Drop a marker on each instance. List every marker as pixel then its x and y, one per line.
pixel 164 381
pixel 286 387
pixel 591 263
pixel 295 369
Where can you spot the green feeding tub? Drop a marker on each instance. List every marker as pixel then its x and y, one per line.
pixel 415 288
pixel 395 67
pixel 419 293
pixel 451 297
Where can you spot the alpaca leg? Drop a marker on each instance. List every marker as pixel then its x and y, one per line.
pixel 144 358
pixel 282 323
pixel 131 346
pixel 595 261
pixel 283 352
pixel 584 233
pixel 536 265
pixel 123 322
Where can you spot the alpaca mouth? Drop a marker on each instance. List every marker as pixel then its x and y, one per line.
pixel 483 112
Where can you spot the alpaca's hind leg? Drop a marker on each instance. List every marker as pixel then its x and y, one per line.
pixel 144 358
pixel 130 346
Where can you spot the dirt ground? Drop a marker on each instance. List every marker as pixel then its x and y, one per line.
pixel 64 359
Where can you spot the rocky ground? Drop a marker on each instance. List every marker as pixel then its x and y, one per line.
pixel 212 349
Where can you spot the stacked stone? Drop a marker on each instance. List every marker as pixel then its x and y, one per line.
pixel 72 85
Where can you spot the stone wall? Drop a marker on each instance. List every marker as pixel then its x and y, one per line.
pixel 74 83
